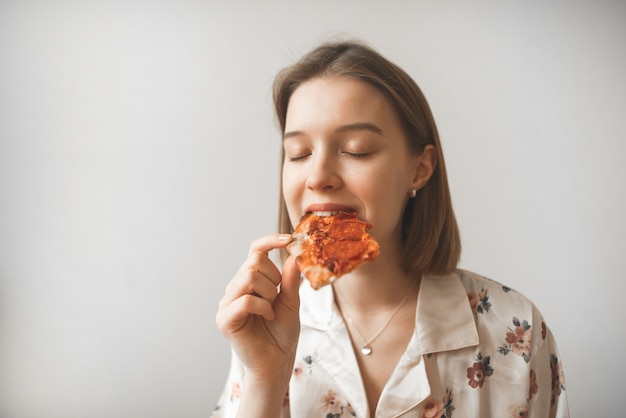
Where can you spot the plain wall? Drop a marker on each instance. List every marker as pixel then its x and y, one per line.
pixel 139 157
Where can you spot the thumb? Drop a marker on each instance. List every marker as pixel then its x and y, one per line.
pixel 290 284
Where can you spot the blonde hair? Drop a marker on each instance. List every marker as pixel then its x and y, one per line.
pixel 432 243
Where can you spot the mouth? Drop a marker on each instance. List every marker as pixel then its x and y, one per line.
pixel 323 213
pixel 328 209
pixel 326 212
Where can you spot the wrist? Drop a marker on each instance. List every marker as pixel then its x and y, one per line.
pixel 263 395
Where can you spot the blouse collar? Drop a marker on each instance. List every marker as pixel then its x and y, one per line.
pixel 443 320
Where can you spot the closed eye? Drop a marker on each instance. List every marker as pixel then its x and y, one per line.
pixel 298 157
pixel 357 154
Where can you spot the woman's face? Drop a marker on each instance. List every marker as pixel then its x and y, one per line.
pixel 345 150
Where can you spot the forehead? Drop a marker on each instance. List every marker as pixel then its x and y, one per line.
pixel 334 101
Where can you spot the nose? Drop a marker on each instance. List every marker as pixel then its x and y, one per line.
pixel 324 173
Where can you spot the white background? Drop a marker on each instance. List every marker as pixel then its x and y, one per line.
pixel 139 156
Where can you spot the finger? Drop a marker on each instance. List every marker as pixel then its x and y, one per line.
pixel 290 284
pixel 249 282
pixel 261 262
pixel 258 275
pixel 269 242
pixel 232 317
pixel 254 282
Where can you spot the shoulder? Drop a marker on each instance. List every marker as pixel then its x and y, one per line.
pixel 490 290
pixel 473 281
pixel 504 313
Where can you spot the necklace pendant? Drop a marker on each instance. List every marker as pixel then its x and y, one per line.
pixel 366 350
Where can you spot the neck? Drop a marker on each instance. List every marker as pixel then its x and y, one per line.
pixel 369 303
pixel 380 285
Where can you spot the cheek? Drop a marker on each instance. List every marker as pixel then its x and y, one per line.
pixel 384 194
pixel 290 181
pixel 383 186
pixel 290 193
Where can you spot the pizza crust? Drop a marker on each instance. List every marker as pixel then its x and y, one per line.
pixel 327 247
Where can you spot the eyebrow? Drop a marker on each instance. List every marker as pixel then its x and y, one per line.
pixel 358 126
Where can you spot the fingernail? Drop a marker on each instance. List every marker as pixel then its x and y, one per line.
pixel 284 237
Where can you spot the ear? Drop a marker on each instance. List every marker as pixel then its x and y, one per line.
pixel 425 165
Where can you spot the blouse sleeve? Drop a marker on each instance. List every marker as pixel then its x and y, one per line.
pixel 547 396
pixel 228 402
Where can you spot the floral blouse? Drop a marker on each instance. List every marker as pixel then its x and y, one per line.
pixel 479 349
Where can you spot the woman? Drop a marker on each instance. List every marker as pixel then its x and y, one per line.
pixel 408 334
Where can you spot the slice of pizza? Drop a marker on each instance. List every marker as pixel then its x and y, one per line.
pixel 327 247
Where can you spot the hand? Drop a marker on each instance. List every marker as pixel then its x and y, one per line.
pixel 261 323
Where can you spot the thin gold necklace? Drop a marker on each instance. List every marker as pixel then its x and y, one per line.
pixel 366 349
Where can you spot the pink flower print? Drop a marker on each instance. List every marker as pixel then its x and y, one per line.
pixel 558 379
pixel 235 392
pixel 298 370
pixel 331 404
pixel 519 410
pixel 433 408
pixel 479 371
pixel 476 375
pixel 484 301
pixel 447 404
pixel 473 300
pixel 518 340
pixel 479 302
pixel 533 387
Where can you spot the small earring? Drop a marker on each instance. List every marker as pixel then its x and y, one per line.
pixel 413 193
